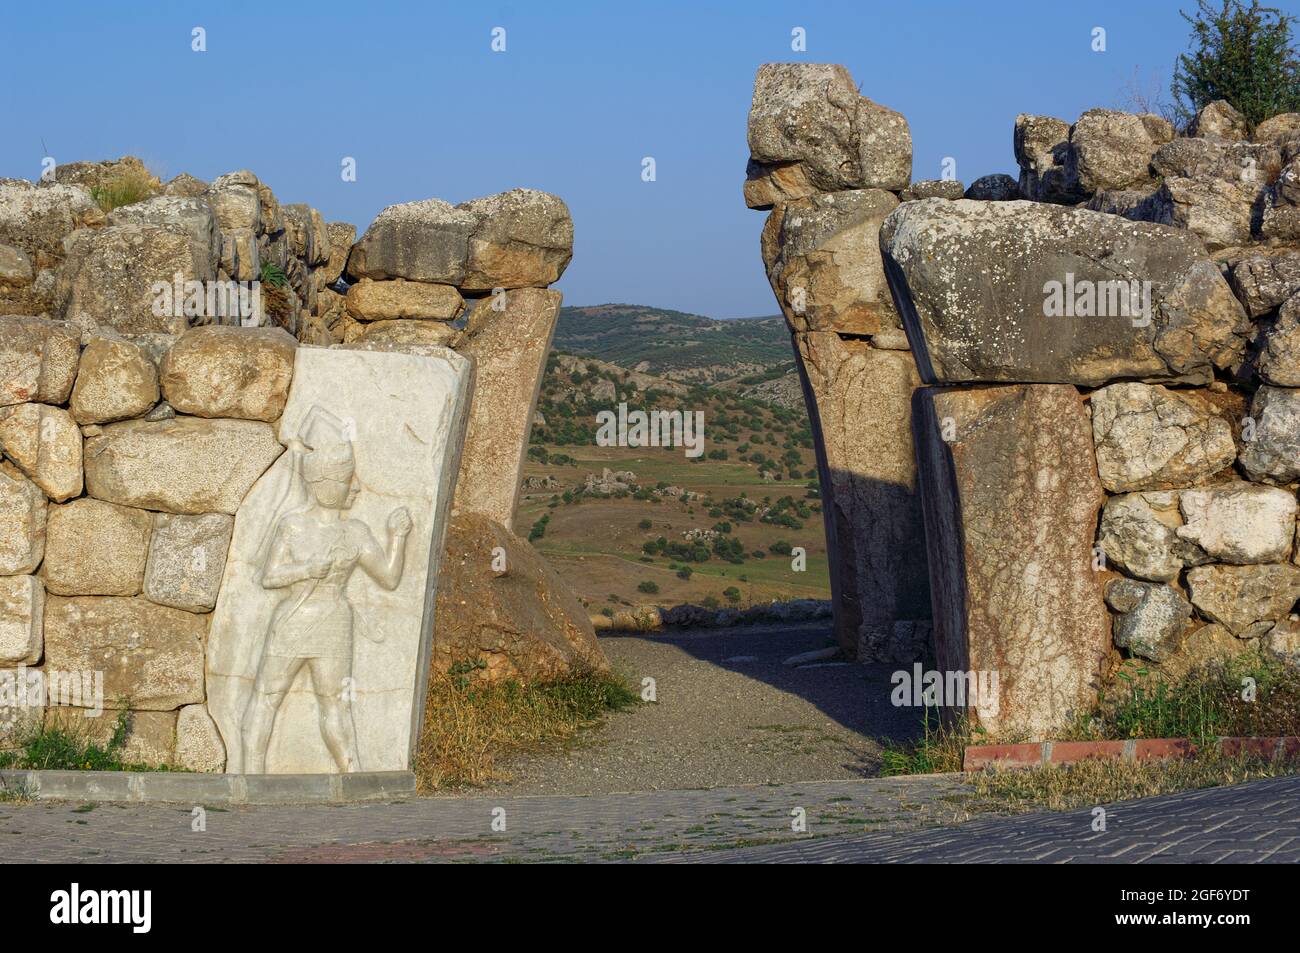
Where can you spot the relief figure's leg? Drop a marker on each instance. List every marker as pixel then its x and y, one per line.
pixel 331 677
pixel 274 677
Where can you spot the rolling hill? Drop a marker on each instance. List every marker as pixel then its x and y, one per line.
pixel 673 344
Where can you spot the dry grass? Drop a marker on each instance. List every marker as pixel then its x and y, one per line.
pixel 125 188
pixel 469 726
pixel 1090 783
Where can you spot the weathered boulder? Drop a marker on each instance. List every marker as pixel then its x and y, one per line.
pixel 117 276
pixel 117 381
pixel 1272 454
pixel 1150 619
pixel 45 443
pixel 1282 642
pixel 236 198
pixel 341 235
pixel 823 261
pixel 1239 522
pixel 993 188
pixel 402 331
pixel 1278 360
pixel 1002 291
pixel 195 215
pixel 1112 150
pixel 22 523
pixel 1218 120
pixel 181 465
pixel 1264 281
pixel 225 371
pixel 187 555
pixel 37 219
pixel 1011 499
pixel 523 239
pixel 93 548
pixel 38 360
pixel 22 612
pixel 198 742
pixel 524 622
pixel 1042 144
pixel 1208 646
pixel 185 186
pixel 932 189
pixel 15 266
pixel 307 234
pixel 1151 438
pixel 1212 187
pixel 810 115
pixel 509 349
pixel 1139 534
pixel 1278 129
pixel 419 241
pixel 1246 599
pixel 387 300
pixel 859 402
pixel 151 655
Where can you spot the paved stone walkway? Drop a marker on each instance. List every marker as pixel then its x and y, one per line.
pixel 604 827
pixel 1245 824
pixel 875 820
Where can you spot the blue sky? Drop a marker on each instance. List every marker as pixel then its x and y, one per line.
pixel 581 94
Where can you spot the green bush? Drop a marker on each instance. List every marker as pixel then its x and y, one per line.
pixel 1242 54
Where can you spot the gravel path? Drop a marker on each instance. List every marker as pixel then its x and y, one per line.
pixel 728 712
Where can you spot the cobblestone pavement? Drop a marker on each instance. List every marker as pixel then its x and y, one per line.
pixel 1245 824
pixel 875 820
pixel 604 827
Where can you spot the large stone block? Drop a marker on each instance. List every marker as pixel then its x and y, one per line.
pixel 509 348
pixel 809 116
pixel 1272 454
pixel 523 239
pixel 150 655
pixel 38 360
pixel 418 241
pixel 112 276
pixel 45 443
pixel 823 260
pixel 1022 291
pixel 1239 522
pixel 180 465
pixel 93 548
pixel 1011 499
pixel 1112 150
pixel 117 381
pixel 523 622
pixel 22 523
pixel 198 742
pixel 859 402
pixel 187 556
pixel 22 612
pixel 1246 599
pixel 1151 438
pixel 225 371
pixel 1140 533
pixel 376 434
pixel 37 218
pixel 389 300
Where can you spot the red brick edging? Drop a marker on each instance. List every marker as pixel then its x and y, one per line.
pixel 1033 754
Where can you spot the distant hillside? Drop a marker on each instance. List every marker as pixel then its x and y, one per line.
pixel 673 344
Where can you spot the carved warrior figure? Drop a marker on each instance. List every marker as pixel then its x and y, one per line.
pixel 309 551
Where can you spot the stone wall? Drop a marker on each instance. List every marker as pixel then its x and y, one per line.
pixel 1107 432
pixel 831 165
pixel 144 423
